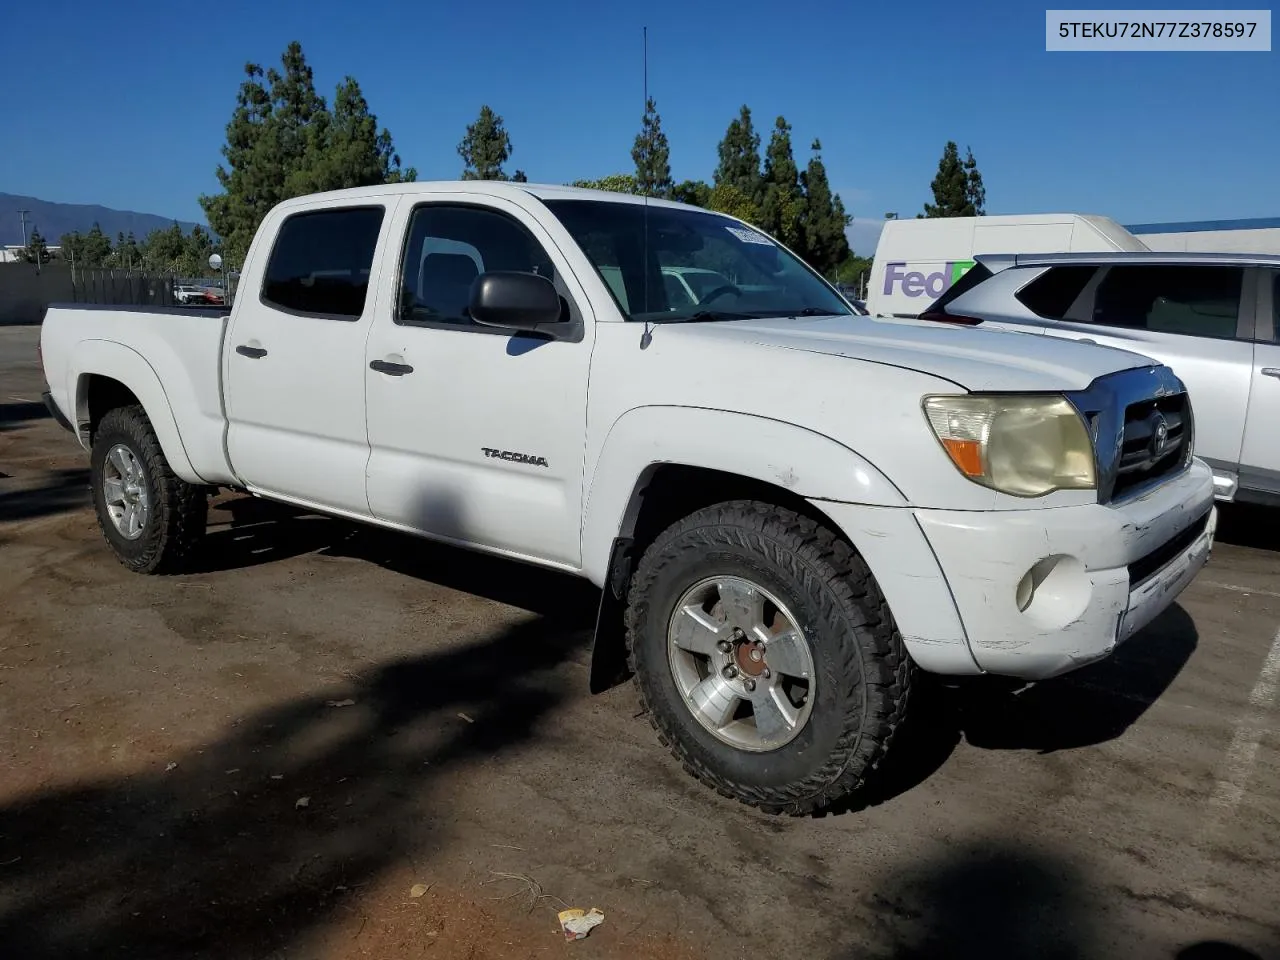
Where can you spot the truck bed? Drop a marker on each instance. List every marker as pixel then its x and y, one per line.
pixel 175 354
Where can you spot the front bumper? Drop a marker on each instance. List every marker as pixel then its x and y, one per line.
pixel 1042 592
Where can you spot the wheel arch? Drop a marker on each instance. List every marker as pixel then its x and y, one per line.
pixel 107 375
pixel 655 468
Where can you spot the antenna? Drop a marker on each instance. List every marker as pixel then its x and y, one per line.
pixel 647 337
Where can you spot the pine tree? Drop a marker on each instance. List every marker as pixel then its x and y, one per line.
pixel 36 250
pixel 485 148
pixel 739 164
pixel 652 155
pixel 782 206
pixel 96 248
pixel 824 245
pixel 282 141
pixel 975 190
pixel 951 187
pixel 695 192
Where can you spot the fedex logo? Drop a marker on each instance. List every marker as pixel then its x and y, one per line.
pixel 913 283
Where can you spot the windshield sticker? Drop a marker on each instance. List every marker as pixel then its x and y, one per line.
pixel 750 236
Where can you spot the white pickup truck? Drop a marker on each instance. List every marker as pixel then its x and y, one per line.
pixel 790 509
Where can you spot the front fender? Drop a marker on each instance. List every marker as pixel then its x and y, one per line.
pixel 108 358
pixel 795 458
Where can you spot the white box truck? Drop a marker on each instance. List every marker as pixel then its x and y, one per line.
pixel 917 261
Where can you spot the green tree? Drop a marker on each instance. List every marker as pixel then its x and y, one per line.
pixel 72 247
pixel 782 204
pixel 95 249
pixel 726 198
pixel 36 250
pixel 975 190
pixel 165 251
pixel 823 243
pixel 739 151
pixel 346 149
pixel 853 269
pixel 282 141
pixel 485 148
pixel 617 182
pixel 952 191
pixel 652 154
pixel 695 192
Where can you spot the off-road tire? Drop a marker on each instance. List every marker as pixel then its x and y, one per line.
pixel 864 674
pixel 179 510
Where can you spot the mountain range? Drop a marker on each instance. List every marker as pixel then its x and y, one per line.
pixel 55 219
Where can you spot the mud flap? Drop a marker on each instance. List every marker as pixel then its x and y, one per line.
pixel 609 649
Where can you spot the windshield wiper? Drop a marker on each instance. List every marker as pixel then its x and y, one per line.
pixel 705 315
pixel 812 312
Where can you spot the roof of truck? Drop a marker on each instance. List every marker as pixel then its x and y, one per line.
pixel 493 188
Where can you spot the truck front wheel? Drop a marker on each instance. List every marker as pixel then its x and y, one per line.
pixel 766 657
pixel 151 518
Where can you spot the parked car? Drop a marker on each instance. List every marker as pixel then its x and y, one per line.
pixel 790 509
pixel 188 294
pixel 1213 318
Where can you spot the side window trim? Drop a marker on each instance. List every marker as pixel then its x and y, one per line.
pixel 373 265
pixel 1247 320
pixel 575 323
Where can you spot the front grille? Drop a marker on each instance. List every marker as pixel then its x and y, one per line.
pixel 1146 567
pixel 1154 441
pixel 1142 426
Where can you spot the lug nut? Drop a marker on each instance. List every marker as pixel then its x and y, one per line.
pixel 767 673
pixel 730 671
pixel 749 684
pixel 724 646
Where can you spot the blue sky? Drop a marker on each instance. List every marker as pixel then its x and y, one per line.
pixel 128 105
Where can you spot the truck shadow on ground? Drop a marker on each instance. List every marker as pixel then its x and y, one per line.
pixel 220 857
pixel 1249 525
pixel 13 415
pixel 1090 706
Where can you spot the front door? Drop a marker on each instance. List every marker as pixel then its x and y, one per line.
pixel 477 435
pixel 294 356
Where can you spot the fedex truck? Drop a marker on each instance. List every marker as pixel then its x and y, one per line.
pixel 917 261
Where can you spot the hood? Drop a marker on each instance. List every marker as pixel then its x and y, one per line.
pixel 971 357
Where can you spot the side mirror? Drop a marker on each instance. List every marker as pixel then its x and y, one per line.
pixel 516 301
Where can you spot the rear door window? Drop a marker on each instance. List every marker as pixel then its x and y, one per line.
pixel 1197 301
pixel 320 262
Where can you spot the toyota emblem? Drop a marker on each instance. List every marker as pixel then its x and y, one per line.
pixel 1160 435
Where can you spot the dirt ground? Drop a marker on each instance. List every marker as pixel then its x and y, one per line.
pixel 261 759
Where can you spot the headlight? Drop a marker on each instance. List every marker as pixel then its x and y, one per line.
pixel 1026 446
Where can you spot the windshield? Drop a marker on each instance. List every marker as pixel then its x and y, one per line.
pixel 694 265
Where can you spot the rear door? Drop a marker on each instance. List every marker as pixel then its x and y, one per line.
pixel 1260 456
pixel 294 363
pixel 1196 319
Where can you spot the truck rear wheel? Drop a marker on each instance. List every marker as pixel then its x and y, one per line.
pixel 766 657
pixel 151 518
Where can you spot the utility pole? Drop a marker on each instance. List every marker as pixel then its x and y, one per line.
pixel 22 214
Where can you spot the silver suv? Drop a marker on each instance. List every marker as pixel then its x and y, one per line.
pixel 1213 318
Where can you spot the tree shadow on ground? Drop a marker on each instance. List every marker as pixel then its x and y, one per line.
pixel 59 491
pixel 997 900
pixel 218 857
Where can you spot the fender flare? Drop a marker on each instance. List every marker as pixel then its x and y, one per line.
pixel 107 358
pixel 802 461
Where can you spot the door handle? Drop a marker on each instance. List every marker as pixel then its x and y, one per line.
pixel 1271 372
pixel 389 368
pixel 251 352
